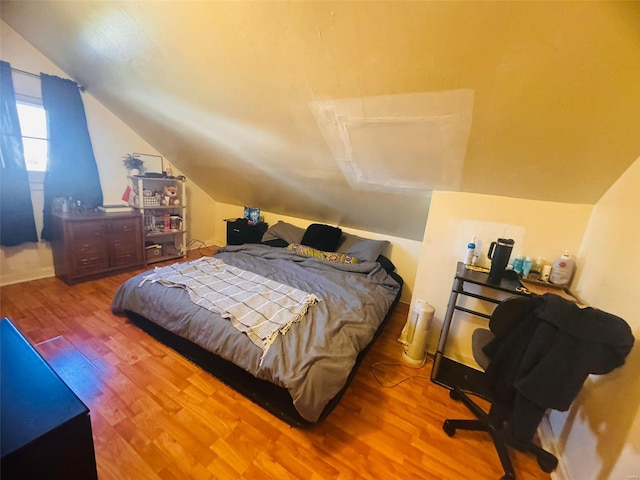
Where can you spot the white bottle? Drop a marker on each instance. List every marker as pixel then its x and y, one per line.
pixel 471 252
pixel 562 270
pixel 526 266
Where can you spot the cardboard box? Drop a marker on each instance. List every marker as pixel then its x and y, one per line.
pixel 152 252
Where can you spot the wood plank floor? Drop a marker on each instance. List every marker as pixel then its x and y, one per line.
pixel 155 415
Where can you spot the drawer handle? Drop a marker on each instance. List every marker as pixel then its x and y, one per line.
pixel 89 261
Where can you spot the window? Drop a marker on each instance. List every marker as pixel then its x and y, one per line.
pixel 33 124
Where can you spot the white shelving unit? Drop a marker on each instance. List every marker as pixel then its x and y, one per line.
pixel 162 203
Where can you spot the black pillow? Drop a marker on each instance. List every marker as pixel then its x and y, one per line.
pixel 322 237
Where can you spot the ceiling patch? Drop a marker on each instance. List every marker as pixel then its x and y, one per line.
pixel 409 143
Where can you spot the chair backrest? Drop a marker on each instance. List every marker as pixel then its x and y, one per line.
pixel 503 319
pixel 542 362
pixel 508 313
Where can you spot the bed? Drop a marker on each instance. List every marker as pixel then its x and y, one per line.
pixel 342 294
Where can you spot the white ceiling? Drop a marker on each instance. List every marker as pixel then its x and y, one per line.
pixel 352 112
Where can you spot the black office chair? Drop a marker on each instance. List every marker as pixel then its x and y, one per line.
pixel 520 353
pixel 505 317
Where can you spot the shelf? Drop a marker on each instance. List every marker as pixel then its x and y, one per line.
pixel 163 233
pixel 158 207
pixel 165 225
pixel 156 190
pixel 472 312
pixel 461 291
pixel 156 179
pixel 164 258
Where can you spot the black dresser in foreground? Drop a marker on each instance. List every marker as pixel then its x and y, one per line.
pixel 45 430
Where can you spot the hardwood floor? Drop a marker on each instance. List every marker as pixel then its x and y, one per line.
pixel 155 415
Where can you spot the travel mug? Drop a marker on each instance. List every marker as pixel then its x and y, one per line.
pixel 499 253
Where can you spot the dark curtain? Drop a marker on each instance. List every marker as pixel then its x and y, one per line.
pixel 72 170
pixel 17 224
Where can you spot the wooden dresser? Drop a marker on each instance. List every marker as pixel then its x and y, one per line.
pixel 95 244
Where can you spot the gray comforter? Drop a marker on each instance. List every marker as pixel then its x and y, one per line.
pixel 314 358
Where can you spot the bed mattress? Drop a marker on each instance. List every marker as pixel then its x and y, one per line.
pixel 314 360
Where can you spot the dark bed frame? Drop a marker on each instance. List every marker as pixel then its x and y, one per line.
pixel 276 400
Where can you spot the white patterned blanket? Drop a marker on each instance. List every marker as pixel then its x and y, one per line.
pixel 255 305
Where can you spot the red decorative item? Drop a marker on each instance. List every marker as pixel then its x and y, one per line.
pixel 126 194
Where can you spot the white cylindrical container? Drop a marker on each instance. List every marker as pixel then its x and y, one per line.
pixel 546 271
pixel 418 329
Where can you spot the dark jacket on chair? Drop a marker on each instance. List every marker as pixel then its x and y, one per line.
pixel 542 361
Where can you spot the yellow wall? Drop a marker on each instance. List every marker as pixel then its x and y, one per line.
pixel 403 253
pixel 600 435
pixel 539 229
pixel 599 438
pixel 111 139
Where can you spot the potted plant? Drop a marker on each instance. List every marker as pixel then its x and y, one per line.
pixel 133 164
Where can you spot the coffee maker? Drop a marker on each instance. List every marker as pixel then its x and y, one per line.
pixel 499 253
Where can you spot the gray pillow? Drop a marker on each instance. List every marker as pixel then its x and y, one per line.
pixel 287 232
pixel 364 249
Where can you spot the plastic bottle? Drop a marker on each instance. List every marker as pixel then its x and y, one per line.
pixel 536 270
pixel 562 269
pixel 469 258
pixel 526 266
pixel 517 265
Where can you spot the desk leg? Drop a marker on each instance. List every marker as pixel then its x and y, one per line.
pixel 446 324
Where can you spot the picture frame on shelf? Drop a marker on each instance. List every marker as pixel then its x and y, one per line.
pixel 252 215
pixel 153 165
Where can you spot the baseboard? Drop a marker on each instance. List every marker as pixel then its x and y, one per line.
pixel 27 276
pixel 194 244
pixel 549 443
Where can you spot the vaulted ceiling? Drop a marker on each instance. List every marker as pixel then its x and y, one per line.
pixel 353 112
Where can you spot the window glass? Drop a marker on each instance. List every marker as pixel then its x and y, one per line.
pixel 33 124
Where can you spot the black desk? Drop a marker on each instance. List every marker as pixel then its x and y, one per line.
pixel 448 372
pixel 45 430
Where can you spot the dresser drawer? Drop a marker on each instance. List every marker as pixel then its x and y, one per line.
pixel 124 225
pixel 87 231
pixel 91 260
